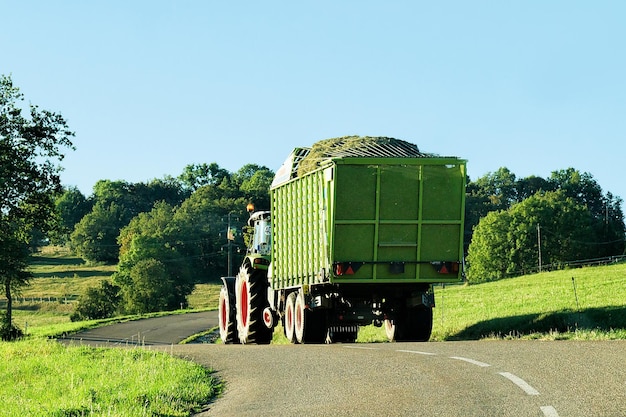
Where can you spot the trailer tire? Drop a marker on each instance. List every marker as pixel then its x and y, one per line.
pixel 415 325
pixel 290 318
pixel 227 323
pixel 391 330
pixel 422 326
pixel 309 326
pixel 251 299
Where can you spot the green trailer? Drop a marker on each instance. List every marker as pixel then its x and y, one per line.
pixel 356 237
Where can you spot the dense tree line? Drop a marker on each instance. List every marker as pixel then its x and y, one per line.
pixel 568 214
pixel 165 241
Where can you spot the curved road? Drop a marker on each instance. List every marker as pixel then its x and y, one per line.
pixel 488 378
pixel 164 330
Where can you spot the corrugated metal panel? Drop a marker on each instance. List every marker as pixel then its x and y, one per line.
pixel 398 149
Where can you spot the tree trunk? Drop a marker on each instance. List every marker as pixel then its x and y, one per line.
pixel 7 292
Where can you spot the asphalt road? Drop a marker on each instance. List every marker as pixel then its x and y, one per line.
pixel 164 330
pixel 487 378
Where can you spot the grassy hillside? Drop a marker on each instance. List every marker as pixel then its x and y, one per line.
pixel 59 279
pixel 145 383
pixel 577 303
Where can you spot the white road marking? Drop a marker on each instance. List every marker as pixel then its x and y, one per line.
pixel 520 383
pixel 417 352
pixel 472 361
pixel 549 411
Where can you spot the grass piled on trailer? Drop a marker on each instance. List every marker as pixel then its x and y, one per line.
pixel 357 146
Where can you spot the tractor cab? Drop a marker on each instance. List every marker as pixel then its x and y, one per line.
pixel 260 235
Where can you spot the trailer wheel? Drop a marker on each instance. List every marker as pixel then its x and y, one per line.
pixel 390 330
pixel 422 326
pixel 415 325
pixel 290 317
pixel 251 299
pixel 309 325
pixel 227 323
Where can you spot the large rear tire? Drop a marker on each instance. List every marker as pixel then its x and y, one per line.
pixel 251 299
pixel 226 318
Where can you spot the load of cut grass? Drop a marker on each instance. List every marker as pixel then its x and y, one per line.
pixel 357 146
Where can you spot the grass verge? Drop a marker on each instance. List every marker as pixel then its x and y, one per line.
pixel 49 379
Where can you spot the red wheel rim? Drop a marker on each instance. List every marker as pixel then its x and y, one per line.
pixel 298 315
pixel 267 318
pixel 224 313
pixel 244 303
pixel 289 317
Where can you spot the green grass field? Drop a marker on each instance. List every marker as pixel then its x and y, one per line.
pixel 44 378
pixel 50 379
pixel 584 303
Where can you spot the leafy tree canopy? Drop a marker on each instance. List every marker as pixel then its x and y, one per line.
pixel 501 190
pixel 31 146
pixel 506 242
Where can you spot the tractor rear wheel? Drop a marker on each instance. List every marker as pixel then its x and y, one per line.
pixel 251 299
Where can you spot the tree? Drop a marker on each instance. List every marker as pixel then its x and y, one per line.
pixel 608 220
pixel 488 253
pixel 506 243
pixel 195 176
pixel 186 240
pixel 71 207
pixel 150 288
pixel 492 192
pixel 500 190
pixel 254 182
pixel 95 237
pixel 115 203
pixel 152 240
pixel 30 148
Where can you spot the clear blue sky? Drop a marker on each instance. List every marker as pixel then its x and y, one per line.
pixel 152 86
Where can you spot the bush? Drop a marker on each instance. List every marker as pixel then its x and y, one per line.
pixel 98 303
pixel 8 331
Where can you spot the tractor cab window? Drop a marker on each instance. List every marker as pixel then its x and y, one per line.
pixel 262 242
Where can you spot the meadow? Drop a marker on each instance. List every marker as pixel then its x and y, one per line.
pixel 51 379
